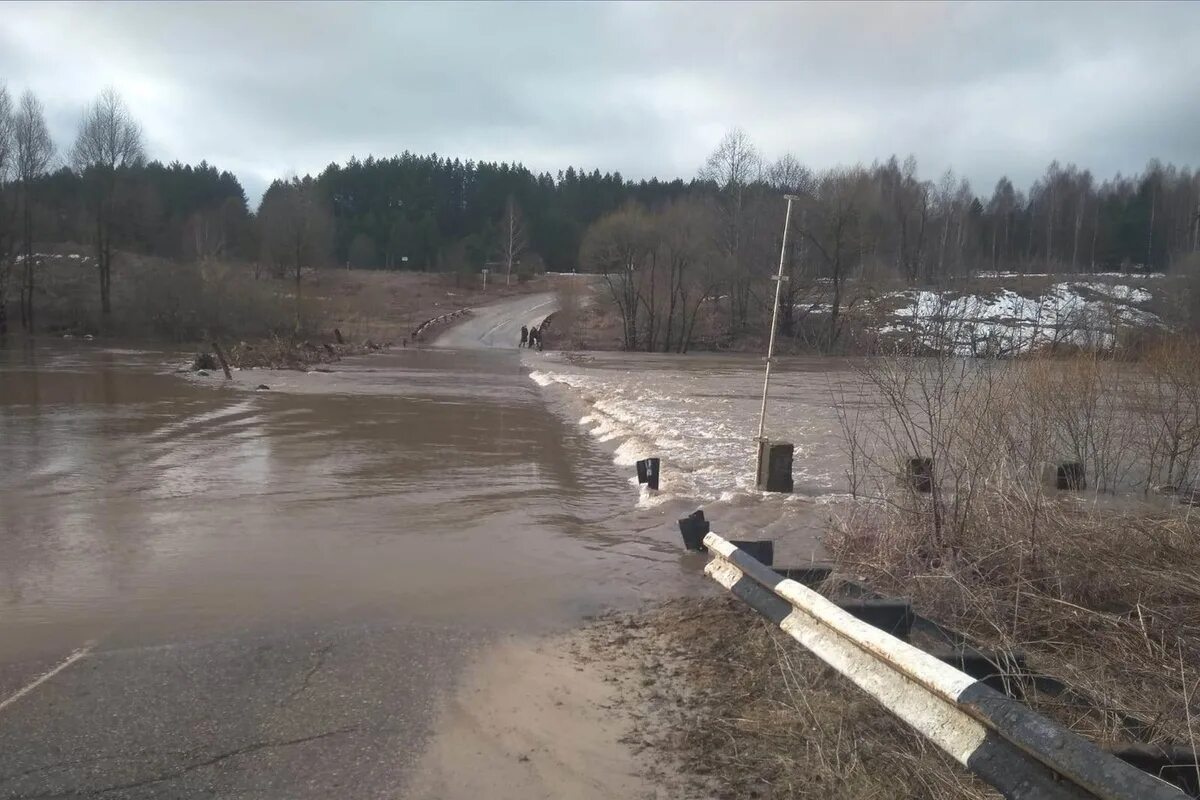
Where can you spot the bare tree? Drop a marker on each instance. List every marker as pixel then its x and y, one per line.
pixel 7 216
pixel 296 228
pixel 616 247
pixel 109 142
pixel 685 245
pixel 512 237
pixel 34 151
pixel 831 224
pixel 733 167
pixel 788 176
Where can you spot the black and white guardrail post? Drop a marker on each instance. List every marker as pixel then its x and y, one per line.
pixel 1019 752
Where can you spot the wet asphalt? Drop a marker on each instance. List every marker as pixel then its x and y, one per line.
pixel 294 714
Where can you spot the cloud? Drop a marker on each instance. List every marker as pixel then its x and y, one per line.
pixel 646 89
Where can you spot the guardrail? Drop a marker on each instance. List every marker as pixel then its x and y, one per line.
pixel 1014 749
pixel 429 323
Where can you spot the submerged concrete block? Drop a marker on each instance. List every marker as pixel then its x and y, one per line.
pixel 694 528
pixel 775 466
pixel 1071 476
pixel 763 552
pixel 893 616
pixel 918 474
pixel 811 575
pixel 647 472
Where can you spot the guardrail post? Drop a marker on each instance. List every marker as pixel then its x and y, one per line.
pixel 647 472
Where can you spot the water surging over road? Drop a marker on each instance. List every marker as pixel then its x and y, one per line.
pixel 700 415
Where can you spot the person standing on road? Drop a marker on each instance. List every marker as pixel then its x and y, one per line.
pixel 524 336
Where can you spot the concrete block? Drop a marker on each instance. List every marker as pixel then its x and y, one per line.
pixel 995 668
pixel 763 552
pixel 893 616
pixel 694 528
pixel 810 575
pixel 918 474
pixel 775 466
pixel 647 472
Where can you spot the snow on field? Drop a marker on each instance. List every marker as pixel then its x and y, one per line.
pixel 1085 313
pixel 1137 271
pixel 42 258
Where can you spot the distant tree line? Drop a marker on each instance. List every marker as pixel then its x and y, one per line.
pixel 881 223
pixel 716 234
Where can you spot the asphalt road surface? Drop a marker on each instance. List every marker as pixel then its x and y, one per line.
pixel 499 325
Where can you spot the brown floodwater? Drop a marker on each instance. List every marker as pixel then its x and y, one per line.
pixel 429 485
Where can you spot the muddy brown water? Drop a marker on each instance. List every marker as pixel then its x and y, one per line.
pixel 483 486
pixel 426 484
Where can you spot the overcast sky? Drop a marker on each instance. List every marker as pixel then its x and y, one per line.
pixel 270 89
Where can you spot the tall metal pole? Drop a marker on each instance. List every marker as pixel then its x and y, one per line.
pixel 779 279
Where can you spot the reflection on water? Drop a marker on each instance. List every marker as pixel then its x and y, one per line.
pixel 420 484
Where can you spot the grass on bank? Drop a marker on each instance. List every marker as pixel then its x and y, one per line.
pixel 743 711
pixel 1101 587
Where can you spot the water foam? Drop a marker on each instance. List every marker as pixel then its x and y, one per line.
pixel 705 439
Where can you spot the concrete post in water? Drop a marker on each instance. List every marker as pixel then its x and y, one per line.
pixel 1071 476
pixel 694 528
pixel 918 474
pixel 775 466
pixel 770 465
pixel 763 552
pixel 1066 476
pixel 647 472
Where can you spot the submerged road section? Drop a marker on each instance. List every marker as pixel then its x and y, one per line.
pixel 208 590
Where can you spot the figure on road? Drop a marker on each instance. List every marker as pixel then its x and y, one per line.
pixel 524 336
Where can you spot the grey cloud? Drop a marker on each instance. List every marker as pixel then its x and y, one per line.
pixel 988 88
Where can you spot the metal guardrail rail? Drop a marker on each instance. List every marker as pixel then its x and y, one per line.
pixel 1014 749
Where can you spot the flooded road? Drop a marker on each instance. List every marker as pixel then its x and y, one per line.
pixel 136 502
pixel 700 414
pixel 210 588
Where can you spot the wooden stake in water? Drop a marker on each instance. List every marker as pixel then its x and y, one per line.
pixel 779 279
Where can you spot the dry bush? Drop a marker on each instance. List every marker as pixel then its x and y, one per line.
pixel 191 301
pixel 156 298
pixel 1101 587
pixel 1169 411
pixel 1177 300
pixel 750 713
pixel 565 331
